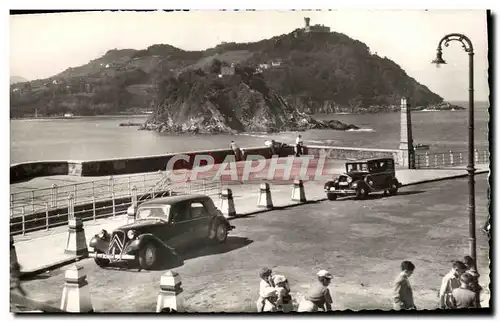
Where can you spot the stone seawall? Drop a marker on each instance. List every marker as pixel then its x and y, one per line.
pixel 111 167
pixel 26 171
pixel 347 153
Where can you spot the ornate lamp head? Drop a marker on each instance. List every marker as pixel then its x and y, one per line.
pixel 439 58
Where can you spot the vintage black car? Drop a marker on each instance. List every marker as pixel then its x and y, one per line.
pixel 161 225
pixel 364 177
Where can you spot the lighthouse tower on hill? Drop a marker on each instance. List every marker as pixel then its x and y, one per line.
pixel 316 28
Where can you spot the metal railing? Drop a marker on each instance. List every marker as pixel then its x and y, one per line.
pixel 53 207
pixel 449 159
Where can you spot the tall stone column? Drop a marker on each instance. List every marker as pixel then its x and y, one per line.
pixel 406 149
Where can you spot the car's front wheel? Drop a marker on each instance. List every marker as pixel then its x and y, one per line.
pixel 394 188
pixel 148 256
pixel 331 196
pixel 361 193
pixel 101 262
pixel 221 233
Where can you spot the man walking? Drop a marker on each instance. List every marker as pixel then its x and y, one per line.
pixel 450 282
pixel 236 151
pixel 298 145
pixel 464 297
pixel 403 294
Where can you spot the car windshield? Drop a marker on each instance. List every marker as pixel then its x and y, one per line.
pixel 158 212
pixel 357 167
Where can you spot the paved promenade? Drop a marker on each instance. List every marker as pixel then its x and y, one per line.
pixel 43 249
pixel 361 242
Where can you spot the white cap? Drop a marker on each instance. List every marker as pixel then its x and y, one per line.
pixel 279 279
pixel 324 273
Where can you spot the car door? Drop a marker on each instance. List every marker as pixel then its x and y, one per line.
pixel 200 214
pixel 181 228
pixel 377 175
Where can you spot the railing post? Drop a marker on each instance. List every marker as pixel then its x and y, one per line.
pixel 435 160
pixel 129 192
pixel 486 156
pixel 427 164
pixel 144 184
pixel 461 158
pixel 33 201
pixel 71 207
pixel 46 216
pixel 93 200
pixel 74 192
pixel 134 196
pixel 110 183
pixel 11 204
pixel 444 160
pixel 112 187
pixel 54 196
pixel 23 221
pixel 451 158
pixel 476 154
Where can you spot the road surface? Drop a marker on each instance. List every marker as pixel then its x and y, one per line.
pixel 361 242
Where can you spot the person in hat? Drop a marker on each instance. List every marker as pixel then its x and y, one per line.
pixel 284 301
pixel 318 297
pixel 236 151
pixel 472 271
pixel 298 145
pixel 450 282
pixel 267 292
pixel 403 294
pixel 464 297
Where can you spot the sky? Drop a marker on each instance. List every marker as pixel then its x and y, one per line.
pixel 43 45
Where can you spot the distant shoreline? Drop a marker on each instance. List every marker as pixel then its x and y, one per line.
pixel 79 117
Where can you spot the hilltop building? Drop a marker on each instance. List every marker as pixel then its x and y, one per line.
pixel 227 70
pixel 316 28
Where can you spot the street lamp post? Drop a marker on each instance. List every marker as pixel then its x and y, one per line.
pixel 467 46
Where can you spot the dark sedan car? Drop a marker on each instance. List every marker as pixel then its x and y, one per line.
pixel 364 177
pixel 161 225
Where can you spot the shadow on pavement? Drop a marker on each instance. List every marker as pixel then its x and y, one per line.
pixel 232 243
pixel 380 195
pixel 171 261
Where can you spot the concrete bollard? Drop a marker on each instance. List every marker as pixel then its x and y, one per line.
pixel 76 291
pixel 169 296
pixel 265 199
pixel 298 192
pixel 76 243
pixel 227 203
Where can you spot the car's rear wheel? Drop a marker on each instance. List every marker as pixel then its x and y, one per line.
pixel 148 256
pixel 331 196
pixel 101 262
pixel 361 193
pixel 394 188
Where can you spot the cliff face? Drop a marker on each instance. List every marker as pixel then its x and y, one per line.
pixel 311 72
pixel 199 102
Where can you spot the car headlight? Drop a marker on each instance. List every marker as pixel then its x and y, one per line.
pixel 349 179
pixel 102 234
pixel 131 234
